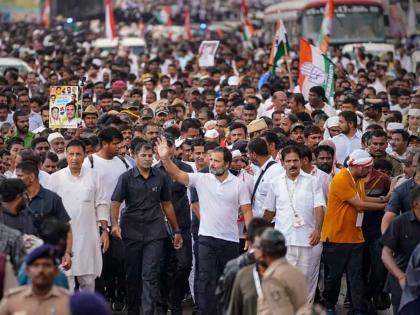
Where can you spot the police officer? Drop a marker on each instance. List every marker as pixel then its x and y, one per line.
pixel 41 297
pixel 146 192
pixel 283 287
pixel 178 263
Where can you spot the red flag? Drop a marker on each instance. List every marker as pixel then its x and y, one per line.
pixel 46 14
pixel 188 33
pixel 109 20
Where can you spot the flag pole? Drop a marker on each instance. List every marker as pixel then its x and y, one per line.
pixel 286 57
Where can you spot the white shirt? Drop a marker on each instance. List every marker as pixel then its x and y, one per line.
pixel 404 111
pixel 85 201
pixel 35 121
pixel 303 195
pixel 272 172
pixel 344 146
pixel 219 204
pixel 323 179
pixel 108 171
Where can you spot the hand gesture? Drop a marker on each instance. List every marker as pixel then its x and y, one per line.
pixel 162 148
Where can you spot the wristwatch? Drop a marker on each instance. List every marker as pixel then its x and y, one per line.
pixel 177 232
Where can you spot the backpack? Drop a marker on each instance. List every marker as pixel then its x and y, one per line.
pixel 90 157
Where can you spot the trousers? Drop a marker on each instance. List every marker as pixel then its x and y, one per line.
pixel 86 283
pixel 307 259
pixel 340 257
pixel 213 254
pixel 143 263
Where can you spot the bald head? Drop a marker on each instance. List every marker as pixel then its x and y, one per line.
pixel 280 101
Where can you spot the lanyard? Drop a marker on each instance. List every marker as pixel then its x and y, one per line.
pixel 257 281
pixel 291 194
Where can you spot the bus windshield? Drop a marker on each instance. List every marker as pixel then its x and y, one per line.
pixel 351 24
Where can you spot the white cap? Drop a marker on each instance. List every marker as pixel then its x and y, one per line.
pixel 55 135
pixel 394 126
pixel 414 112
pixel 212 134
pixel 211 124
pixel 179 142
pixel 331 122
pixel 236 153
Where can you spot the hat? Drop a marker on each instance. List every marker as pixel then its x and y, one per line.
pixel 193 90
pixel 271 242
pixel 331 122
pixel 414 112
pixel 212 134
pixel 211 124
pixel 116 99
pixel 90 110
pixel 236 153
pixel 394 126
pixel 43 251
pixel 87 303
pixel 240 145
pixel 360 157
pixel 55 135
pixel 146 113
pixel 178 102
pixel 297 125
pixel 132 104
pixel 169 123
pixel 161 109
pixel 257 125
pixel 118 85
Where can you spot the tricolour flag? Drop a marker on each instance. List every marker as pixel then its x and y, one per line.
pixel 247 24
pixel 326 27
pixel 315 69
pixel 280 46
pixel 109 20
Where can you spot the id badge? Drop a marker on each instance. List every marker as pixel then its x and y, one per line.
pixel 298 220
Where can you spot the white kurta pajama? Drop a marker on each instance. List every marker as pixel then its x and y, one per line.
pixel 85 201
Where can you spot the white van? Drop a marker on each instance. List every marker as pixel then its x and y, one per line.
pixel 19 64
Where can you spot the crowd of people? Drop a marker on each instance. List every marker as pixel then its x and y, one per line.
pixel 223 183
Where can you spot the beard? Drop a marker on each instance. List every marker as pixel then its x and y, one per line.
pixel 327 168
pixel 217 171
pixel 61 155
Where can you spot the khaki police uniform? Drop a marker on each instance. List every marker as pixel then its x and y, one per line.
pixel 22 301
pixel 284 289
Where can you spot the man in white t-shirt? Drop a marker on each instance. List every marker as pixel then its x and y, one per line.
pixel 221 195
pixel 109 166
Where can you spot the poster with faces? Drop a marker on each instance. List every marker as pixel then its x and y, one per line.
pixel 207 53
pixel 65 107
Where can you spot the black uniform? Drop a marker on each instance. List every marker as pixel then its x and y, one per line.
pixel 144 232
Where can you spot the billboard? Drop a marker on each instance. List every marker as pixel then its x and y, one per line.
pixel 19 10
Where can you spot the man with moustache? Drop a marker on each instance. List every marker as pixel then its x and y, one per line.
pixel 342 234
pixel 296 200
pixel 147 196
pixel 221 195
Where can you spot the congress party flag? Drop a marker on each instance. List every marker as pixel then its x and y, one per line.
pixel 315 69
pixel 109 20
pixel 326 27
pixel 279 47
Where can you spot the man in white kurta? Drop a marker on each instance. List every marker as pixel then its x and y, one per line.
pixel 85 201
pixel 297 201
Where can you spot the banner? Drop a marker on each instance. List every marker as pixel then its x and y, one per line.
pixel 316 69
pixel 207 53
pixel 65 107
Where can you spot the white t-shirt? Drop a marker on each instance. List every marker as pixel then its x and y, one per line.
pixel 108 171
pixel 219 204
